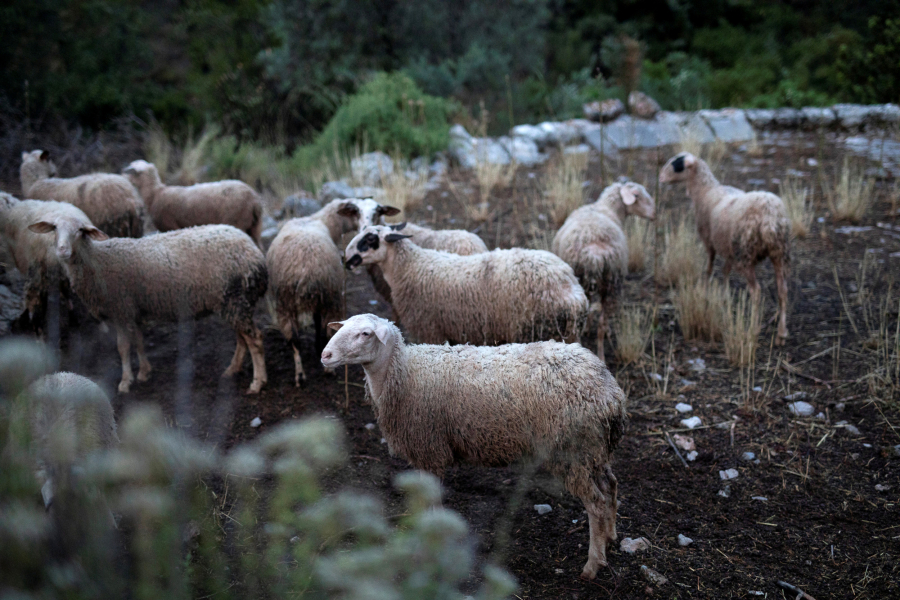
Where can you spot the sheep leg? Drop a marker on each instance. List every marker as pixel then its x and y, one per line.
pixel 145 368
pixel 240 351
pixel 601 332
pixel 257 356
pixel 782 301
pixel 123 342
pixel 299 374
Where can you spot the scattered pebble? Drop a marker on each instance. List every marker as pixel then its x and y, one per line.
pixel 748 456
pixel 882 488
pixel 757 389
pixel 691 422
pixel 840 407
pixel 897 450
pixel 692 455
pixel 683 408
pixel 373 302
pixel 728 474
pixel 542 509
pixel 796 396
pixel 867 445
pixel 685 442
pixel 757 592
pixel 697 364
pixel 812 163
pixel 370 426
pixel 507 481
pixel 820 219
pixel 684 540
pixel 256 422
pixel 656 377
pixel 631 546
pixel 848 427
pixel 383 441
pixel 760 498
pixel 725 492
pixel 681 397
pixel 558 571
pixel 801 409
pixel 821 416
pixel 654 577
pixel 686 383
pixel 574 521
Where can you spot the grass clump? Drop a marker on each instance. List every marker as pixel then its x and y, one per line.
pixel 700 305
pixel 639 233
pixel 742 319
pixel 404 188
pixel 563 185
pixel 851 194
pixel 799 208
pixel 683 256
pixel 632 330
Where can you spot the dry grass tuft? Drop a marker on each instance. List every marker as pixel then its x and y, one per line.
pixel 631 328
pixel 490 175
pixel 798 205
pixel 701 304
pixel 683 256
pixel 743 323
pixel 851 194
pixel 192 156
pixel 404 188
pixel 158 149
pixel 639 233
pixel 712 152
pixel 563 185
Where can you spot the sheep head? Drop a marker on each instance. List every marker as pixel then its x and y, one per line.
pixel 680 167
pixel 366 212
pixel 369 246
pixel 142 174
pixel 70 231
pixel 637 200
pixel 359 340
pixel 36 165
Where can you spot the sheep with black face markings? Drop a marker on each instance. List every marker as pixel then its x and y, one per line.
pixel 593 242
pixel 168 276
pixel 490 298
pixel 551 403
pixel 744 227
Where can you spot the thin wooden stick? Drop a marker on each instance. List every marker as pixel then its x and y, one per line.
pixel 801 595
pixel 675 448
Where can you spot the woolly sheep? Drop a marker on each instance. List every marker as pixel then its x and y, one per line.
pixel 169 276
pixel 228 202
pixel 744 227
pixel 593 242
pixel 34 254
pixel 547 402
pixel 306 275
pixel 490 298
pixel 63 417
pixel 110 201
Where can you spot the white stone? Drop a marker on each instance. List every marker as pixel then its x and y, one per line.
pixel 881 487
pixel 370 426
pixel 748 456
pixel 796 396
pixel 725 492
pixel 685 442
pixel 631 546
pixel 687 383
pixel 728 124
pixel 683 408
pixel 256 422
pixel 697 364
pixel 801 409
pixel 542 509
pixel 760 498
pixel 691 422
pixel 728 474
pixel 654 577
pixel 371 167
pixel 684 540
pixel 692 455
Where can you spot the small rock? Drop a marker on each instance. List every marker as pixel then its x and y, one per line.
pixel 685 442
pixel 756 593
pixel 383 441
pixel 683 408
pixel 760 498
pixel 697 364
pixel 370 426
pixel 656 377
pixel 801 409
pixel 796 396
pixel 840 407
pixel 848 427
pixel 604 111
pixel 691 422
pixel 757 389
pixel 882 488
pixel 821 416
pixel 685 384
pixel 684 540
pixel 896 450
pixel 748 456
pixel 725 492
pixel 256 422
pixel 692 456
pixel 542 509
pixel 728 474
pixel 631 546
pixel 641 105
pixel 557 571
pixel 654 577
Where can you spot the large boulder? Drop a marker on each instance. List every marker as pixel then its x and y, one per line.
pixel 695 127
pixel 728 124
pixel 627 132
pixel 853 116
pixel 468 151
pixel 814 117
pixel 787 118
pixel 760 118
pixel 522 150
pixel 300 204
pixel 604 111
pixel 548 133
pixel 642 106
pixel 332 190
pixel 370 168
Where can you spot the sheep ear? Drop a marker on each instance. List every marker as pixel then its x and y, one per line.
pixel 382 332
pixel 627 194
pixel 25 155
pixel 42 227
pixel 395 237
pixel 45 156
pixel 336 325
pixel 129 170
pixel 94 233
pixel 348 209
pixel 690 160
pixel 388 211
pixel 398 226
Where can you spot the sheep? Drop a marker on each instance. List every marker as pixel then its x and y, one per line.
pixel 593 242
pixel 64 417
pixel 485 299
pixel 33 254
pixel 110 201
pixel 169 276
pixel 546 402
pixel 171 207
pixel 744 227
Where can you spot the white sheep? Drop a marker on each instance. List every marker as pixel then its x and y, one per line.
pixel 547 402
pixel 228 202
pixel 593 242
pixel 743 227
pixel 169 276
pixel 110 201
pixel 34 254
pixel 490 298
pixel 306 275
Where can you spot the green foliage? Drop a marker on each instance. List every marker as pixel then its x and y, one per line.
pixel 870 72
pixel 680 82
pixel 193 523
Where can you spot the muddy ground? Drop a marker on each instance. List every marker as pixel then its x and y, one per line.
pixel 807 511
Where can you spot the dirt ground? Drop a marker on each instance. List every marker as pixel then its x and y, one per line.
pixel 806 510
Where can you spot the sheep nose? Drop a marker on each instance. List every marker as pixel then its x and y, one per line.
pixel 326 354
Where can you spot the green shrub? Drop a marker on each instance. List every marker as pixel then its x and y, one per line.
pixel 679 82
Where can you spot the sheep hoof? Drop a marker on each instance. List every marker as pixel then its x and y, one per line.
pixel 229 372
pixel 780 340
pixel 144 376
pixel 124 386
pixel 255 387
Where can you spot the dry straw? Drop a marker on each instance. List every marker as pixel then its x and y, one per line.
pixel 850 196
pixel 563 185
pixel 632 331
pixel 683 256
pixel 797 202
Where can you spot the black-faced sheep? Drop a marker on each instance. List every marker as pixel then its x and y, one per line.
pixel 593 242
pixel 490 298
pixel 110 201
pixel 550 403
pixel 171 207
pixel 743 227
pixel 169 276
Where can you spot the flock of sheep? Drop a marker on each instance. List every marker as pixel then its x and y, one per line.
pixel 512 384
